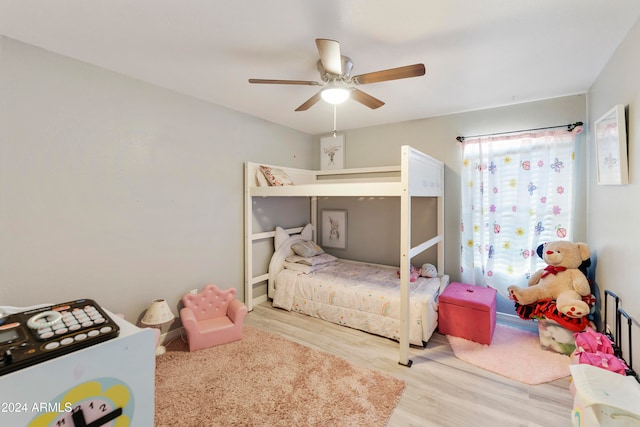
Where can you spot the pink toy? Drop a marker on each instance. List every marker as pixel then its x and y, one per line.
pixel 596 349
pixel 212 317
pixel 591 341
pixel 602 360
pixel 414 273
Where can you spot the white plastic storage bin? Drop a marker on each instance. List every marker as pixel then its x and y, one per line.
pixel 604 398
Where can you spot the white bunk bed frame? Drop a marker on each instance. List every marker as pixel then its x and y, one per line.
pixel 418 175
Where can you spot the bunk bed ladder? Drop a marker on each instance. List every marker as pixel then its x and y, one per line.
pixel 248 243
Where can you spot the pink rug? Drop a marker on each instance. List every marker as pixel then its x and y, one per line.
pixel 513 353
pixel 266 380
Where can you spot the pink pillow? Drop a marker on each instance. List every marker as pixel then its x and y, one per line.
pixel 276 176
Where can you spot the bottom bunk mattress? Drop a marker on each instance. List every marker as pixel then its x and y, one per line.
pixel 362 296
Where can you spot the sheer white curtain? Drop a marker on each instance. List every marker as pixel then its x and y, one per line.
pixel 517 192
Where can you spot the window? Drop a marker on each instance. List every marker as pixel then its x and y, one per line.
pixel 517 192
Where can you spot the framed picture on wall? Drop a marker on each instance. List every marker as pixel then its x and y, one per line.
pixel 332 151
pixel 610 133
pixel 334 228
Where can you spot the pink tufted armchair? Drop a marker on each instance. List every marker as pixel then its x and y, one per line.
pixel 212 317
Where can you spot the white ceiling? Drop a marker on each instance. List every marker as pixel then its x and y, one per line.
pixel 478 54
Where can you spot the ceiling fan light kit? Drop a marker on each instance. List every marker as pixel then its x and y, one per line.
pixel 335 73
pixel 335 95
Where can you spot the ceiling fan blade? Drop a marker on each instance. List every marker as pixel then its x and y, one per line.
pixel 414 70
pixel 284 82
pixel 309 102
pixel 330 58
pixel 366 99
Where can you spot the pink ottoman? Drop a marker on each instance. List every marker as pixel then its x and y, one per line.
pixel 467 311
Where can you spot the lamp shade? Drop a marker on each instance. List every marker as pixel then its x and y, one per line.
pixel 158 313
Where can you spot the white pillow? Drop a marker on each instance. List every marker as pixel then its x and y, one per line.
pixel 306 232
pixel 280 237
pixel 306 269
pixel 307 248
pixel 314 260
pixel 276 176
pixel 261 181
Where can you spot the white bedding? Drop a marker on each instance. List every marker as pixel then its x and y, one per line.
pixel 359 295
pixel 362 296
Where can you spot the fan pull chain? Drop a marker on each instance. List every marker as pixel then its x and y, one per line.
pixel 334 121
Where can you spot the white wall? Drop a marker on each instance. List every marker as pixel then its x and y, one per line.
pixel 117 190
pixel 373 226
pixel 612 211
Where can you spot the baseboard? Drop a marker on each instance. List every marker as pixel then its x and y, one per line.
pixel 516 322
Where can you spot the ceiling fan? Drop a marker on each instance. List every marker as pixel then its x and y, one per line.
pixel 337 82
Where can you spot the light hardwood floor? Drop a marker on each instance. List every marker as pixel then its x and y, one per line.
pixel 441 389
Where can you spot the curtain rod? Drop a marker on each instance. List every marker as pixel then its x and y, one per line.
pixel 570 127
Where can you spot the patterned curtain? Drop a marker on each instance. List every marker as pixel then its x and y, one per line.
pixel 517 192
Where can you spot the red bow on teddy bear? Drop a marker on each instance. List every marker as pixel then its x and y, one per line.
pixel 550 269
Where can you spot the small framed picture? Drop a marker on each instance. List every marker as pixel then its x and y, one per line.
pixel 332 151
pixel 334 228
pixel 610 133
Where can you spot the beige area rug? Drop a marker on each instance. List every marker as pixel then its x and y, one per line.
pixel 513 353
pixel 266 380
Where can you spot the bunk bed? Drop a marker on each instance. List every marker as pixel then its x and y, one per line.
pixel 418 175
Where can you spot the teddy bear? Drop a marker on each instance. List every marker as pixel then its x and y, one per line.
pixel 561 280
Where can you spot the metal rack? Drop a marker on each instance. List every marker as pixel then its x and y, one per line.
pixel 616 337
